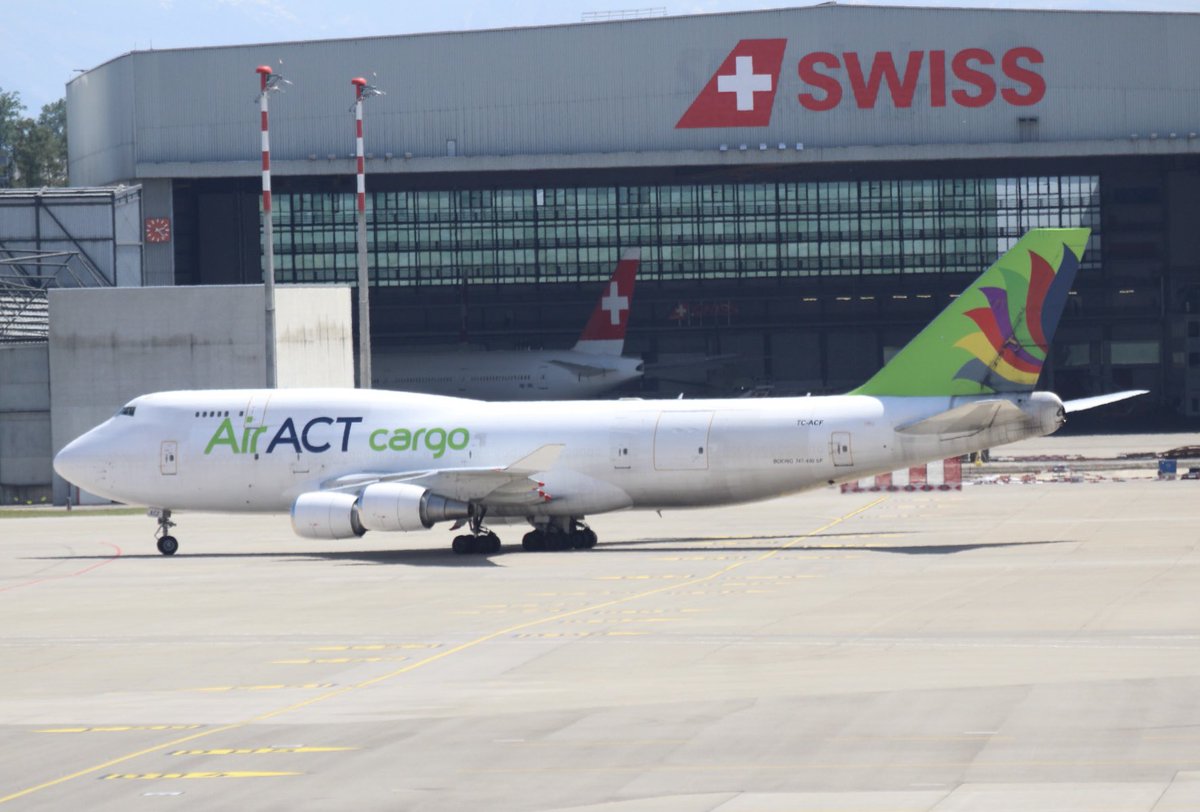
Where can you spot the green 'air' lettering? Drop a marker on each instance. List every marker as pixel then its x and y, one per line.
pixel 224 436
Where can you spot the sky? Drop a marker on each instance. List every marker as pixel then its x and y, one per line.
pixel 46 42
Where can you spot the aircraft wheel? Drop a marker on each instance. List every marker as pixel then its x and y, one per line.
pixel 167 545
pixel 584 539
pixel 489 543
pixel 558 541
pixel 463 545
pixel 534 541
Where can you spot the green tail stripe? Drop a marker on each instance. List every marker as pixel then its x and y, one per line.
pixel 994 349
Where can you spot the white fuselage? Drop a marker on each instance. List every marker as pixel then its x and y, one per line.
pixel 258 450
pixel 506 374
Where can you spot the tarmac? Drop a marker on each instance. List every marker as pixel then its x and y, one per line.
pixel 1004 647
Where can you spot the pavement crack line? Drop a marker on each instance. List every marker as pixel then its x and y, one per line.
pixel 433 658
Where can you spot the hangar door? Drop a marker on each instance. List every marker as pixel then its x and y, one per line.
pixel 681 441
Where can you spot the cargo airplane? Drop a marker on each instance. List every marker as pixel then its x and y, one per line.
pixel 593 366
pixel 345 462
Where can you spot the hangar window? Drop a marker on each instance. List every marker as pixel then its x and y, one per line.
pixel 573 234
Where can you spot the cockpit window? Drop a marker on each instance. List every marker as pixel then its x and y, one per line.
pixel 127 411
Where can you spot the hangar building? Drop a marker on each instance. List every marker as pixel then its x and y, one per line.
pixel 809 185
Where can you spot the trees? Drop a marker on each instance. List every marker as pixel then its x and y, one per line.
pixel 36 149
pixel 10 113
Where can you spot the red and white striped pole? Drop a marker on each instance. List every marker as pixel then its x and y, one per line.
pixel 264 74
pixel 364 280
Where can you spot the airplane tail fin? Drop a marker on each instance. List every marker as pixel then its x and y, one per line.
pixel 605 330
pixel 995 336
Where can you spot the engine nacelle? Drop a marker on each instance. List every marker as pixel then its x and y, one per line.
pixel 326 515
pixel 395 506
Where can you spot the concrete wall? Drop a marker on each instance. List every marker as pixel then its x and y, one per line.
pixel 24 423
pixel 313 335
pixel 108 346
pixel 158 259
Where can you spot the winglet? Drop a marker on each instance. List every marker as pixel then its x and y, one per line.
pixel 539 460
pixel 995 336
pixel 605 330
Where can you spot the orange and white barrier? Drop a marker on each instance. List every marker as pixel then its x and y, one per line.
pixel 939 475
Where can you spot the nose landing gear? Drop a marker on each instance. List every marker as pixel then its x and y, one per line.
pixel 167 544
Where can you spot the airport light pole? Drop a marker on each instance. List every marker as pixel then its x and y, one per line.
pixel 268 81
pixel 362 90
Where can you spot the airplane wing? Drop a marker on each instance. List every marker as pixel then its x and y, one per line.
pixel 963 421
pixel 706 361
pixel 513 484
pixel 583 370
pixel 1081 404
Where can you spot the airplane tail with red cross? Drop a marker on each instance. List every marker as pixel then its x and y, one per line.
pixel 605 330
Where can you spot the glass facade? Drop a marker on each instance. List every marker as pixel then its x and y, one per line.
pixel 727 230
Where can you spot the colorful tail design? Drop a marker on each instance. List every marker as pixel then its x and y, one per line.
pixel 995 336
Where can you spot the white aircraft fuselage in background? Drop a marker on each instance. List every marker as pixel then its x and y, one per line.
pixel 594 365
pixel 507 374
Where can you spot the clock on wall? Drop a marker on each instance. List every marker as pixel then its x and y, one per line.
pixel 158 229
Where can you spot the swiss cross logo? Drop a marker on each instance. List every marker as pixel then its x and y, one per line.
pixel 742 91
pixel 614 303
pixel 610 317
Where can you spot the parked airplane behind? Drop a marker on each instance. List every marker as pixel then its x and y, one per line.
pixel 593 366
pixel 345 462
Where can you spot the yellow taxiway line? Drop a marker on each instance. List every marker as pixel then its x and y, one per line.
pixel 431 659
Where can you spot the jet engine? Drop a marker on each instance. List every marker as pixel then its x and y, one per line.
pixel 326 515
pixel 398 506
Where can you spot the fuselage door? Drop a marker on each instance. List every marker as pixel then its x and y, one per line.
pixel 681 441
pixel 168 458
pixel 839 448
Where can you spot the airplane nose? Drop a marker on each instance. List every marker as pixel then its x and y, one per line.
pixel 79 464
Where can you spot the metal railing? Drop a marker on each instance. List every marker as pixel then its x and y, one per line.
pixel 26 278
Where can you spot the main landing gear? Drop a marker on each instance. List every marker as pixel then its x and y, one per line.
pixel 167 544
pixel 559 533
pixel 480 541
pixel 569 534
